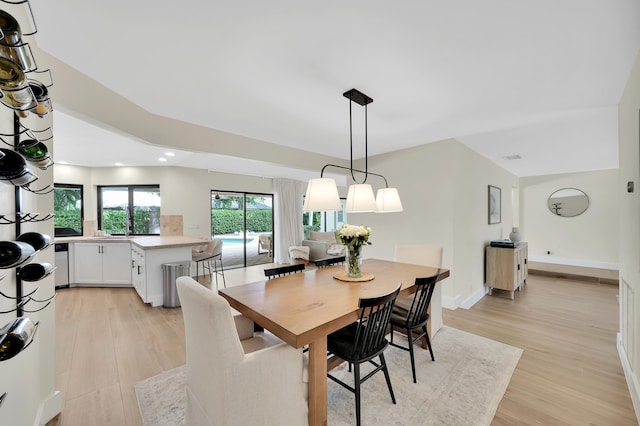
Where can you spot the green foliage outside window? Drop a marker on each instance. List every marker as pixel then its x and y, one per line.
pixel 66 208
pixel 115 221
pixel 231 221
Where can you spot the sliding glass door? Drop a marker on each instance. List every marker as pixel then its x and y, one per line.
pixel 244 221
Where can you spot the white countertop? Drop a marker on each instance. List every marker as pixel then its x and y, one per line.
pixel 147 242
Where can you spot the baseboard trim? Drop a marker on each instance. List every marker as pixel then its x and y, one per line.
pixel 632 383
pixel 454 303
pixel 49 408
pixel 586 278
pixel 474 298
pixel 451 303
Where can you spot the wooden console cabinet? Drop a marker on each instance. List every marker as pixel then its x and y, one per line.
pixel 506 268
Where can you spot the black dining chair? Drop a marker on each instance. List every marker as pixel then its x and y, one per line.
pixel 283 270
pixel 411 313
pixel 330 261
pixel 363 341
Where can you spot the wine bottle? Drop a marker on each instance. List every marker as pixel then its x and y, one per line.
pixel 13 83
pixel 37 240
pixel 35 271
pixel 14 253
pixel 15 336
pixel 13 168
pixel 11 45
pixel 41 94
pixel 35 152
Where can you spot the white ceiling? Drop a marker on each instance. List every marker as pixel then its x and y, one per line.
pixel 541 79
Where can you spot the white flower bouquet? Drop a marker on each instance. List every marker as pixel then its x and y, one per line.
pixel 354 237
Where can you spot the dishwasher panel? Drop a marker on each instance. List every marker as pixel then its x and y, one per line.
pixel 62 265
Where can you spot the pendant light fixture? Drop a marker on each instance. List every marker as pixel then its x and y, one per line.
pixel 322 193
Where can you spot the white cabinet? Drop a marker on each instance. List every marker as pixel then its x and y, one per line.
pixel 147 274
pixel 103 264
pixel 138 272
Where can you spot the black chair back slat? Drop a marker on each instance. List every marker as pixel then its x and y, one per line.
pixel 418 314
pixel 372 326
pixel 329 261
pixel 283 270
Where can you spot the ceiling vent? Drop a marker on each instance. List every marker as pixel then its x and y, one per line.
pixel 513 157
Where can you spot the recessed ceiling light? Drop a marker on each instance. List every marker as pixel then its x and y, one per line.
pixel 119 164
pixel 62 162
pixel 513 157
pixel 162 159
pixel 169 154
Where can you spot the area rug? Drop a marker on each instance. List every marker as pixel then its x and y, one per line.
pixel 463 387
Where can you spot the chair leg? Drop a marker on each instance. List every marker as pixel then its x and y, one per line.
pixel 356 376
pixel 413 362
pixel 386 376
pixel 221 272
pixel 426 336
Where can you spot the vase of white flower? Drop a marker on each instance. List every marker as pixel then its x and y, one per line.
pixel 354 237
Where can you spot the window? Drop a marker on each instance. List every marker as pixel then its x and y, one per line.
pixel 68 209
pixel 324 221
pixel 117 205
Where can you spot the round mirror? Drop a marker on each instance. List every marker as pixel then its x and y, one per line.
pixel 568 202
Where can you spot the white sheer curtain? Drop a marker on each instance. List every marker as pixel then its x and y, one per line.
pixel 287 217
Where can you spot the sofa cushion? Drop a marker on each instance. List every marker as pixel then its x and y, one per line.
pixel 323 236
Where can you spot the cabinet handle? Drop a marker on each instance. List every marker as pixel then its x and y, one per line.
pixel 133 264
pixel 518 266
pixel 138 269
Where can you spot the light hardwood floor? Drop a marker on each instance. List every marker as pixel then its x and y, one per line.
pixel 569 374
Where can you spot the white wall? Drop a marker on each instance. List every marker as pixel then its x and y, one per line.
pixel 629 228
pixel 590 239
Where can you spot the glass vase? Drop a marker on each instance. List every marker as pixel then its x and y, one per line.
pixel 354 261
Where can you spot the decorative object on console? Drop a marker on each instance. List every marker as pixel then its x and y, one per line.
pixel 515 234
pixel 354 237
pixel 322 193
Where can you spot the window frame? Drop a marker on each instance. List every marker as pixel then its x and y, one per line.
pixel 79 187
pixel 130 206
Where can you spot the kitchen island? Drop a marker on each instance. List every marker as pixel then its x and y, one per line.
pixel 117 261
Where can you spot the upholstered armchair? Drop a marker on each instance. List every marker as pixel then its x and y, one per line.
pixel 322 245
pixel 236 376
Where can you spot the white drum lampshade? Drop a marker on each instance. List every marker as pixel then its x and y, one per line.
pixel 388 200
pixel 360 199
pixel 322 195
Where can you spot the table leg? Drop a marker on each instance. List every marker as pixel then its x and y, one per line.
pixel 318 382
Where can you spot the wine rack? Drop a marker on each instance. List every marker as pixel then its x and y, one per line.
pixel 25 92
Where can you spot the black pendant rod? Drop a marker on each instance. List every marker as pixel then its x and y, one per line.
pixel 362 99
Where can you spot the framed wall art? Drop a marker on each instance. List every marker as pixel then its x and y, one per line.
pixel 495 201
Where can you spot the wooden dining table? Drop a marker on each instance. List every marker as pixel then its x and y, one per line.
pixel 304 308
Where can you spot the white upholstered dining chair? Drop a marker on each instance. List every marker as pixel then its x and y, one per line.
pixel 236 376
